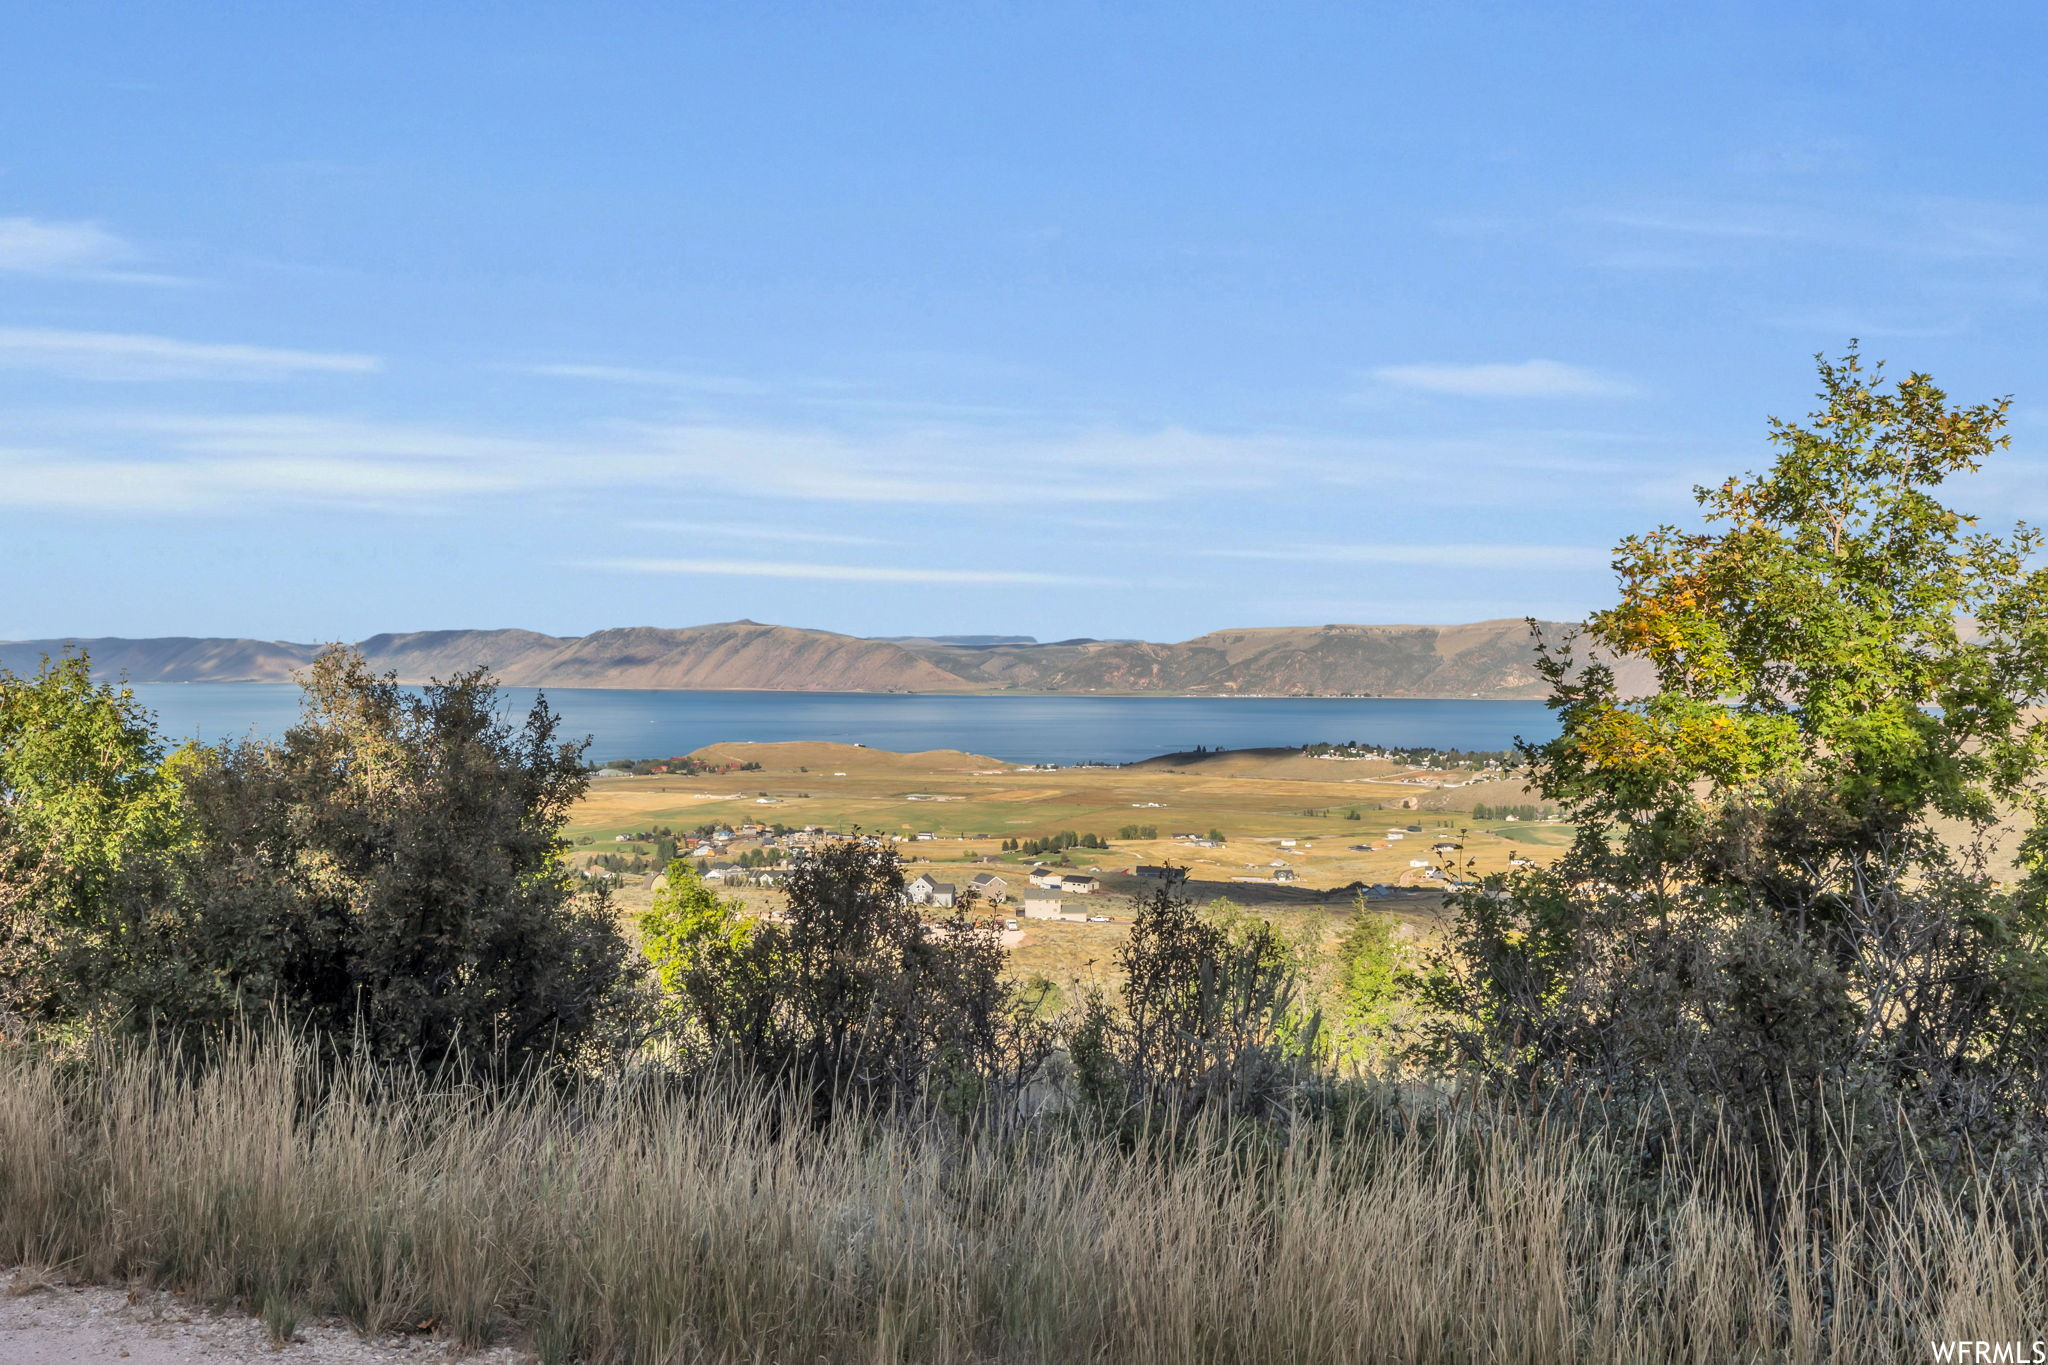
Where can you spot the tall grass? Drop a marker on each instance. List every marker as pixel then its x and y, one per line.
pixel 635 1222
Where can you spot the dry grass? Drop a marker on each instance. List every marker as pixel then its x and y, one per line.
pixel 637 1224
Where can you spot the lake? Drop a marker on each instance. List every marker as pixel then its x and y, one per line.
pixel 1021 729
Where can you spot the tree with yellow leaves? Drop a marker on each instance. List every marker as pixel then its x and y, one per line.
pixel 1768 886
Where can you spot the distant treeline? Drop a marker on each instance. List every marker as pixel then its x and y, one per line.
pixel 682 766
pixel 1519 811
pixel 1054 843
pixel 1419 755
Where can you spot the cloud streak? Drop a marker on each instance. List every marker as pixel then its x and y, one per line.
pixel 832 573
pixel 70 250
pixel 1522 379
pixel 1472 556
pixel 748 530
pixel 31 246
pixel 779 474
pixel 133 356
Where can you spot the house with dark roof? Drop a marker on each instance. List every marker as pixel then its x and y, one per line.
pixel 925 889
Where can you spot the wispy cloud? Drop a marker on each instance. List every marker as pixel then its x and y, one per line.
pixel 652 378
pixel 968 464
pixel 1471 556
pixel 38 478
pixel 182 464
pixel 35 247
pixel 750 529
pixel 1522 379
pixel 784 477
pixel 79 250
pixel 1941 227
pixel 1741 222
pixel 832 573
pixel 122 356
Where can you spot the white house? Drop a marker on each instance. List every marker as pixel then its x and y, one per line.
pixel 1045 877
pixel 1039 905
pixel 924 889
pixel 1078 884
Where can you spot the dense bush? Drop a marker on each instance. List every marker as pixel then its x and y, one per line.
pixel 849 997
pixel 388 871
pixel 1209 1018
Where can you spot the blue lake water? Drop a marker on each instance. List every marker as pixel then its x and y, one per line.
pixel 1021 729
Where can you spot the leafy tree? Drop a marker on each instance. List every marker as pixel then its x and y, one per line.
pixel 1369 975
pixel 1842 625
pixel 85 797
pixel 1759 896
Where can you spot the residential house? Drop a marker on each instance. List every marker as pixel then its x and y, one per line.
pixel 1079 884
pixel 1045 877
pixel 1166 873
pixel 924 889
pixel 989 887
pixel 1042 905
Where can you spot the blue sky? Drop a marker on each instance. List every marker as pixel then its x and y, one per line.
pixel 1058 319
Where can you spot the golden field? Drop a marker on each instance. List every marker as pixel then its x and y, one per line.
pixel 971 804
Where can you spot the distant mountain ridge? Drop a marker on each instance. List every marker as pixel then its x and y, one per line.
pixel 1490 659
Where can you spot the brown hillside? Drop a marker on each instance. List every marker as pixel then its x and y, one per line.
pixel 1483 659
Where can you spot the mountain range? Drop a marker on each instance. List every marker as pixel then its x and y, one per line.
pixel 1484 659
